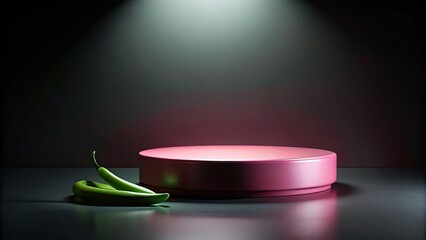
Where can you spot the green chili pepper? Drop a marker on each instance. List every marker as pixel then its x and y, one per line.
pixel 118 191
pixel 103 193
pixel 117 182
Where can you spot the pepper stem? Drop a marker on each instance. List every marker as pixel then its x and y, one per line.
pixel 94 159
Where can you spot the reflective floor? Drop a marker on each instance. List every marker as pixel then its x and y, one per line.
pixel 363 204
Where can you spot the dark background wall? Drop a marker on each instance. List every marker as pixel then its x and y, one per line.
pixel 120 77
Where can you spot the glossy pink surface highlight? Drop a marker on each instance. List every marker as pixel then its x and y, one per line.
pixel 237 170
pixel 236 153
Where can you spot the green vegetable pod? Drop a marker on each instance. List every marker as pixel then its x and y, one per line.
pixel 106 194
pixel 117 182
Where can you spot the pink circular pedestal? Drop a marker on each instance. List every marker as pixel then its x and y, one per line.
pixel 237 170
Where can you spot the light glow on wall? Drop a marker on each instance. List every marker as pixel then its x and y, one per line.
pixel 205 44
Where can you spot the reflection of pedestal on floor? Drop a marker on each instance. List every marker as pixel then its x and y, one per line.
pixel 311 219
pixel 311 216
pixel 237 171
